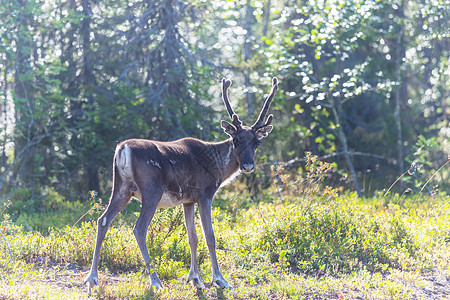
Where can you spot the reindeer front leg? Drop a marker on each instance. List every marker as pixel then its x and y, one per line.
pixel 204 207
pixel 189 217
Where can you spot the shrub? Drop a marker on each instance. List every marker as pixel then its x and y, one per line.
pixel 312 230
pixel 41 209
pixel 166 241
pixel 334 238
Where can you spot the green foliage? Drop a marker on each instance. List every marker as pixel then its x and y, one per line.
pixel 75 81
pixel 76 77
pixel 427 160
pixel 308 185
pixel 41 209
pixel 304 230
pixel 167 239
pixel 271 244
pixel 330 239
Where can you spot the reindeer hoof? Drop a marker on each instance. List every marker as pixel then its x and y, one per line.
pixel 91 280
pixel 155 282
pixel 157 286
pixel 221 283
pixel 196 282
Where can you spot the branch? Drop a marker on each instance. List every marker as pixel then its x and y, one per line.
pixel 25 149
pixel 351 153
pixel 7 244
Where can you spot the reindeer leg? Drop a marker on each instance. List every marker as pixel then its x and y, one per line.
pixel 150 199
pixel 189 217
pixel 205 217
pixel 119 199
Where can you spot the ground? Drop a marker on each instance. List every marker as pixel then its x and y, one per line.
pixel 45 279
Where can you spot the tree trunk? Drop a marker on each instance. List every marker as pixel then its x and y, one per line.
pixel 400 92
pixel 4 127
pixel 94 183
pixel 337 112
pixel 4 118
pixel 247 57
pixel 23 100
pixel 266 17
pixel 88 82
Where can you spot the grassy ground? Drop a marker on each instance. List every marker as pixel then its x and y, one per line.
pixel 345 248
pixel 301 241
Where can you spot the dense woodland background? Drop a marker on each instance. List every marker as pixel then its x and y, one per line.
pixel 363 84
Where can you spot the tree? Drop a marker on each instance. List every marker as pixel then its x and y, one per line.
pixel 356 77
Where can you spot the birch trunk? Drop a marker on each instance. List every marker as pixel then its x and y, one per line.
pixel 400 54
pixel 337 112
pixel 247 57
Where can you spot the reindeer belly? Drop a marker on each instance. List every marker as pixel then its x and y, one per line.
pixel 170 199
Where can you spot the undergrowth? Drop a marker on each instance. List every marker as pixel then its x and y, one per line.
pixel 302 228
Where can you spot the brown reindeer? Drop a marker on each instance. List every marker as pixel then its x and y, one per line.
pixel 186 171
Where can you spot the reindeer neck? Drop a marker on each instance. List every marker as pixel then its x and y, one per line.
pixel 230 164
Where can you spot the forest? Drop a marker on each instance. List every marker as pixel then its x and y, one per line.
pixel 364 84
pixel 362 116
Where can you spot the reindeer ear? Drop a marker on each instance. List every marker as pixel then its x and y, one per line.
pixel 264 131
pixel 228 128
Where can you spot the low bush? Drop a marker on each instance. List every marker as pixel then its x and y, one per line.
pixel 168 246
pixel 339 237
pixel 303 227
pixel 39 209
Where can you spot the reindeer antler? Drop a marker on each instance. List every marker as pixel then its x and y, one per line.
pixel 260 122
pixel 225 85
pixel 234 117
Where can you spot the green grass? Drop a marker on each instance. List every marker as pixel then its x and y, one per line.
pixel 290 249
pixel 299 241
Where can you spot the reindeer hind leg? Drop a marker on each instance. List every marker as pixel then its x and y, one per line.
pixel 150 199
pixel 119 199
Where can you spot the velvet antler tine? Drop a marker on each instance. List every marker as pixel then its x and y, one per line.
pixel 225 85
pixel 269 120
pixel 260 122
pixel 234 117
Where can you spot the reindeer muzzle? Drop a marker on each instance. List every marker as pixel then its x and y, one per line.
pixel 247 168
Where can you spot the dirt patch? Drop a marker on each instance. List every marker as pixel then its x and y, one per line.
pixel 430 285
pixel 436 286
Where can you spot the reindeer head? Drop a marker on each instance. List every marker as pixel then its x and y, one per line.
pixel 246 139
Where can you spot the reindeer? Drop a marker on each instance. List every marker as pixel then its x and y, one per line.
pixel 186 171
